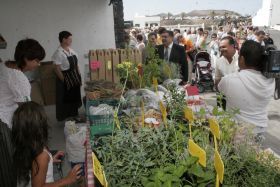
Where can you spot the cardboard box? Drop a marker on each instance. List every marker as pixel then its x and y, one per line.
pixel 47 70
pixel 48 86
pixel 50 99
pixel 36 93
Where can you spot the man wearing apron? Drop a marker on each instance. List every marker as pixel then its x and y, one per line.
pixel 68 81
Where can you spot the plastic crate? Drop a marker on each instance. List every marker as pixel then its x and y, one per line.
pixel 101 124
pixel 95 103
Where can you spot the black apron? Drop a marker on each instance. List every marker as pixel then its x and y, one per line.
pixel 7 172
pixel 68 93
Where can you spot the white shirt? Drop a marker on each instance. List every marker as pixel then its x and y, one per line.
pixel 140 46
pixel 169 49
pixel 220 34
pixel 15 88
pixel 262 43
pixel 198 40
pixel 223 67
pixel 250 92
pixel 251 37
pixel 60 57
pixel 49 176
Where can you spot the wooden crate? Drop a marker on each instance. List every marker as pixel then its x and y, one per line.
pixel 109 59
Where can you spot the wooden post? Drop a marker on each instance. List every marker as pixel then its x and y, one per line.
pixel 131 55
pixel 108 65
pixel 138 56
pixel 94 74
pixel 116 61
pixel 122 56
pixel 102 70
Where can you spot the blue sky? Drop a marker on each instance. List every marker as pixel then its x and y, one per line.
pixel 150 7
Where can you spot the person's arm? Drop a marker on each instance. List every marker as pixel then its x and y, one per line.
pixel 20 87
pixel 39 172
pixel 218 76
pixel 184 64
pixel 59 73
pixel 58 58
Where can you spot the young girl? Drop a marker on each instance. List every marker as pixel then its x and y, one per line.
pixel 33 162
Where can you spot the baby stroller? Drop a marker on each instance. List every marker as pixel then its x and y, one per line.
pixel 203 72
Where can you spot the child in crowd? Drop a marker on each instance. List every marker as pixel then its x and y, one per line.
pixel 32 160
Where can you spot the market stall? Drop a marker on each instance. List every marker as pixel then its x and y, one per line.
pixel 151 131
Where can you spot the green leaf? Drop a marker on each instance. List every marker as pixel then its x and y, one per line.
pixel 196 170
pixel 150 184
pixel 168 177
pixel 215 111
pixel 190 161
pixel 202 185
pixel 159 175
pixel 149 164
pixel 167 183
pixel 180 171
pixel 202 111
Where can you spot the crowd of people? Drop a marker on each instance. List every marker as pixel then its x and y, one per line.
pixel 237 60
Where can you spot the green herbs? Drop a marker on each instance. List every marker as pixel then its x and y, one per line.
pixel 128 157
pixel 186 173
pixel 175 102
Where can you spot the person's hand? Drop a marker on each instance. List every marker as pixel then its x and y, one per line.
pixel 57 157
pixel 182 83
pixel 74 174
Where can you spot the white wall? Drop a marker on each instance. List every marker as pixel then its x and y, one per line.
pixel 90 21
pixel 263 15
pixel 275 18
pixel 267 17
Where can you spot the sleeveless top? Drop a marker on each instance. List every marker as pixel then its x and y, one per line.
pixel 49 175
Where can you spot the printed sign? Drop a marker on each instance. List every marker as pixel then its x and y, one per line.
pixel 214 127
pixel 196 151
pixel 189 114
pixel 219 166
pixel 98 171
pixel 95 65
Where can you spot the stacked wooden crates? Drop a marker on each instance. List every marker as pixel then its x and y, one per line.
pixel 108 60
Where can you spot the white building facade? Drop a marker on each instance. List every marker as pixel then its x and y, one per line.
pixel 269 14
pixel 144 21
pixel 90 21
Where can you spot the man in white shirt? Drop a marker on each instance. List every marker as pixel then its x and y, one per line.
pixel 260 36
pixel 199 37
pixel 227 63
pixel 248 90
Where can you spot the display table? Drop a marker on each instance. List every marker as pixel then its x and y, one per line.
pixel 89 162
